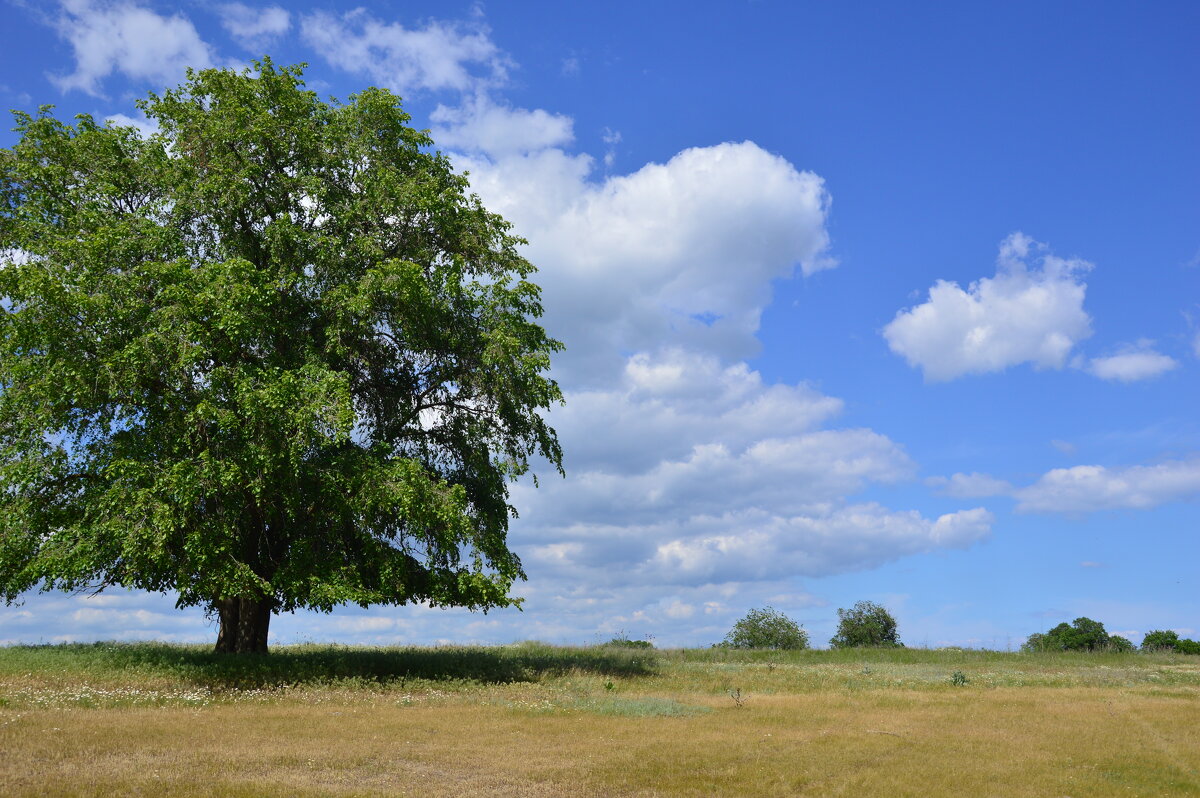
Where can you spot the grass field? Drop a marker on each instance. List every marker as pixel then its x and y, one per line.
pixel 535 720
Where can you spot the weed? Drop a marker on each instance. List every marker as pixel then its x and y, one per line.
pixel 959 679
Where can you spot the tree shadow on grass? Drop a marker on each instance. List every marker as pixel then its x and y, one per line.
pixel 314 665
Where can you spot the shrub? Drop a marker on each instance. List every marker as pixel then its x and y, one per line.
pixel 1160 639
pixel 766 628
pixel 866 624
pixel 623 641
pixel 1037 642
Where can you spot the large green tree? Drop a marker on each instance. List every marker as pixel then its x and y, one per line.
pixel 275 356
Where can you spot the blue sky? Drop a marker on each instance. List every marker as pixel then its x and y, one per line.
pixel 894 302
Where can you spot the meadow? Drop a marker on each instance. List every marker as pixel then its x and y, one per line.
pixel 536 720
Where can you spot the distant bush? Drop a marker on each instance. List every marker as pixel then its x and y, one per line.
pixel 1120 644
pixel 1036 642
pixel 623 641
pixel 1082 634
pixel 866 624
pixel 766 628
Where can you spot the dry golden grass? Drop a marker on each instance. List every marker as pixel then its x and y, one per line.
pixel 809 726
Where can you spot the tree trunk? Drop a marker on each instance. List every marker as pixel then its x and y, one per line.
pixel 244 624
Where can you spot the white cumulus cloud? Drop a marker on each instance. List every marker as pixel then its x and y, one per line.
pixel 1031 311
pixel 760 546
pixel 692 473
pixel 675 254
pixel 129 38
pixel 664 404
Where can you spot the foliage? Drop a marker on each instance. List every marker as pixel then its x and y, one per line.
pixel 1160 639
pixel 1167 640
pixel 959 679
pixel 766 628
pixel 273 357
pixel 865 624
pixel 1082 634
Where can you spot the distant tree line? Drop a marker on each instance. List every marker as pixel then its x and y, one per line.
pixel 870 625
pixel 1084 634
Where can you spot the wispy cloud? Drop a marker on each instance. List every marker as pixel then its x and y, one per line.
pixel 439 55
pixel 254 28
pixel 970 486
pixel 1088 488
pixel 1085 488
pixel 1131 363
pixel 611 139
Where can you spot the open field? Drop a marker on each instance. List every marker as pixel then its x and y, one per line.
pixel 532 720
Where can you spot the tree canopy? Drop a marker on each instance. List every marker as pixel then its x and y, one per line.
pixel 274 356
pixel 766 628
pixel 1160 639
pixel 865 624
